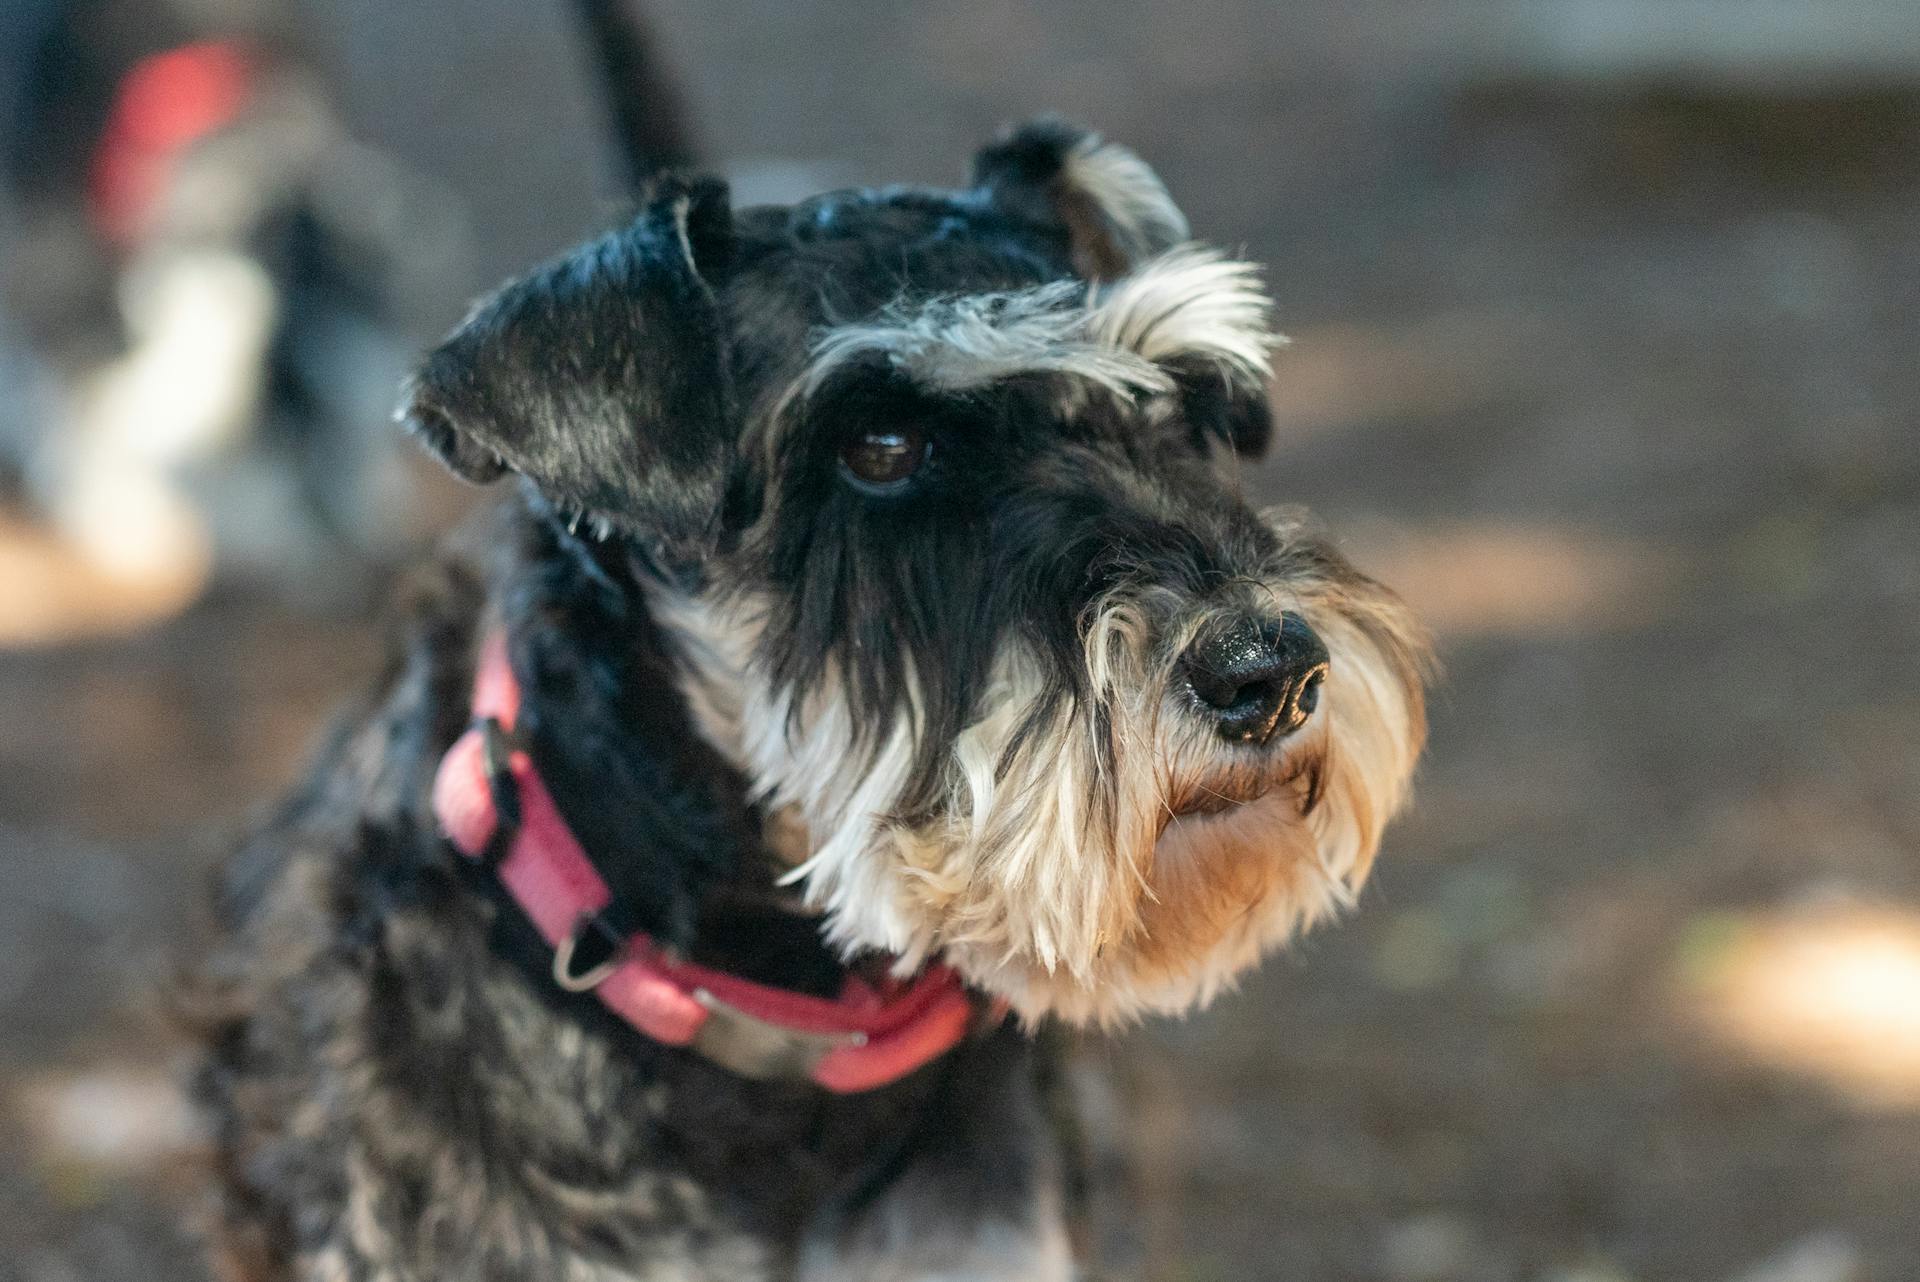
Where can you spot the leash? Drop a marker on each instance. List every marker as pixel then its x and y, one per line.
pixel 493 806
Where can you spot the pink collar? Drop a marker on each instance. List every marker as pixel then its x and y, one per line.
pixel 867 1037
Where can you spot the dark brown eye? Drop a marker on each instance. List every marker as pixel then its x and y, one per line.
pixel 884 460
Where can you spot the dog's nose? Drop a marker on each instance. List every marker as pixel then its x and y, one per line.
pixel 1257 678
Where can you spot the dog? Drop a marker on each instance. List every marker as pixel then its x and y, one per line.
pixel 874 663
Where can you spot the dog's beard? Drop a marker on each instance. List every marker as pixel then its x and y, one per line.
pixel 1094 856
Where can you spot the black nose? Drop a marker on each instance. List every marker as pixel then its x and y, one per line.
pixel 1257 678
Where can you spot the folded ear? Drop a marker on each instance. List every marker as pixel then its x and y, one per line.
pixel 602 377
pixel 1220 405
pixel 1114 210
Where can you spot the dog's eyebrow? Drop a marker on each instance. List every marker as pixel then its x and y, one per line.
pixel 953 343
pixel 1189 302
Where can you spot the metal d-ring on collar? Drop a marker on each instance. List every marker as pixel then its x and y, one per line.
pixel 593 976
pixel 497 746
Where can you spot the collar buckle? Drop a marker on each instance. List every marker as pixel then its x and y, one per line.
pixel 752 1047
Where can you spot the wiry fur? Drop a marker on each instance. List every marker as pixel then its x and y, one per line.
pixel 1058 869
pixel 1065 870
pixel 954 344
pixel 805 722
pixel 1191 303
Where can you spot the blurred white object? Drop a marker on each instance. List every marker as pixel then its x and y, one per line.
pixel 199 323
pixel 120 1117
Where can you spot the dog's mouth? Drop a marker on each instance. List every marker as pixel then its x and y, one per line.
pixel 1304 778
pixel 1218 796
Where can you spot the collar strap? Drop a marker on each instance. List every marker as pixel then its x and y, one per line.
pixel 491 803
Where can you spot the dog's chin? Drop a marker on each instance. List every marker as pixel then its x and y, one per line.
pixel 1234 870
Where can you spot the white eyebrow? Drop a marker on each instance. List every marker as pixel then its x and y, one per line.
pixel 1190 302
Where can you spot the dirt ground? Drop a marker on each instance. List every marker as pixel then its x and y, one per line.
pixel 1615 379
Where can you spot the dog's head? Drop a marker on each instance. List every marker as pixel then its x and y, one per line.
pixel 938 494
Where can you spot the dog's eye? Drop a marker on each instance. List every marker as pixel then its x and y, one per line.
pixel 884 460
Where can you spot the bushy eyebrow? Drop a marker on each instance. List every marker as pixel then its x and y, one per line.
pixel 1189 303
pixel 956 343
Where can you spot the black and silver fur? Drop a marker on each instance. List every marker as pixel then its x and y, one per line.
pixel 804 721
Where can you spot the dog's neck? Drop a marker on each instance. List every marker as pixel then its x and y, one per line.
pixel 663 816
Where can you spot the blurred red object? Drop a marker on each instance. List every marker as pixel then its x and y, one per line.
pixel 164 104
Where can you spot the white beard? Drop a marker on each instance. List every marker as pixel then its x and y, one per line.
pixel 1072 876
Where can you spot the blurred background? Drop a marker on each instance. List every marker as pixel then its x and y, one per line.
pixel 1604 316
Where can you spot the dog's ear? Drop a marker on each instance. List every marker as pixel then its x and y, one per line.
pixel 1114 210
pixel 1225 405
pixel 602 376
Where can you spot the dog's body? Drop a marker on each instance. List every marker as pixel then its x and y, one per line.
pixel 405 1094
pixel 885 549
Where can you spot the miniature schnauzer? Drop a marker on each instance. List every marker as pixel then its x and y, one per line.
pixel 876 662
